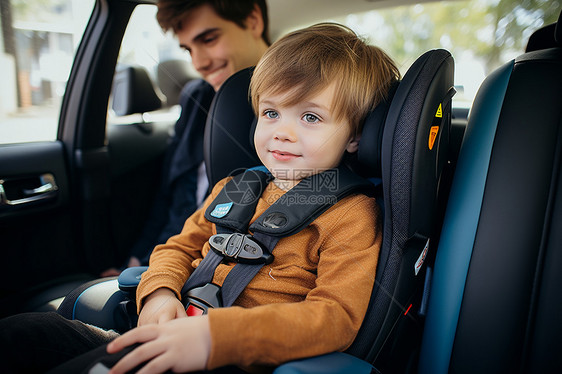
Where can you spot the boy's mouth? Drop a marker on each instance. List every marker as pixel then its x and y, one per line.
pixel 283 156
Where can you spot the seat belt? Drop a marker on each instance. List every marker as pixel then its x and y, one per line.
pixel 242 274
pixel 231 212
pixel 238 199
pixel 232 208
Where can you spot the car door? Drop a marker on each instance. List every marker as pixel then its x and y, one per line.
pixel 73 197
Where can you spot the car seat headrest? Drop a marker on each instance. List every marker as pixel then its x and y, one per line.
pixel 546 37
pixel 231 124
pixel 133 92
pixel 369 152
pixel 172 76
pixel 416 137
pixel 542 38
pixel 558 30
pixel 227 147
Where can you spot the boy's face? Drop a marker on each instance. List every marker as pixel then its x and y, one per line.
pixel 219 47
pixel 294 142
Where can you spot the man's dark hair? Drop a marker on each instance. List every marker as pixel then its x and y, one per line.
pixel 171 13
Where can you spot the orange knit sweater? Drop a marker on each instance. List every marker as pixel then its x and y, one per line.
pixel 311 300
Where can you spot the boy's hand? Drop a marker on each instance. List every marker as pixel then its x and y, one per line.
pixel 161 306
pixel 179 345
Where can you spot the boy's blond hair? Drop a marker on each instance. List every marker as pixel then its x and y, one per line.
pixel 307 61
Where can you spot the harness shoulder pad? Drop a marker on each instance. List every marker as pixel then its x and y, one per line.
pixel 305 202
pixel 235 204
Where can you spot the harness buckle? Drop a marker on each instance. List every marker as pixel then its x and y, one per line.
pixel 200 299
pixel 242 248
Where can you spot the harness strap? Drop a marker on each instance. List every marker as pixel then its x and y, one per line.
pixel 239 196
pixel 235 204
pixel 203 274
pixel 241 275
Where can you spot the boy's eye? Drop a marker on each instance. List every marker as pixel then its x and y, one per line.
pixel 310 118
pixel 271 114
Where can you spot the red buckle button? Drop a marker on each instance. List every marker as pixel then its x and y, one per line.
pixel 194 311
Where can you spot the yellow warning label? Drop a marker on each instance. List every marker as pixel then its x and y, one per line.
pixel 439 113
pixel 433 135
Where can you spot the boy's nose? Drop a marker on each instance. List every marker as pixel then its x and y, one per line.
pixel 285 132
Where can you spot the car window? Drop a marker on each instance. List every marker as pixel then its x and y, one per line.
pixel 38 40
pixel 480 34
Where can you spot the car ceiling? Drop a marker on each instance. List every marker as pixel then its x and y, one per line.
pixel 286 15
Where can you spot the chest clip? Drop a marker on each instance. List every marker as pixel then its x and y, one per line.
pixel 240 248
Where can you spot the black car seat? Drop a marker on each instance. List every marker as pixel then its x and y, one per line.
pixel 413 153
pixel 406 149
pixel 495 302
pixel 134 92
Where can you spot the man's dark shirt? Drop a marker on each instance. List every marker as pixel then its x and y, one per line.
pixel 176 198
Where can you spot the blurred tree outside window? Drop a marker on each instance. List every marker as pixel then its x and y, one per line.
pixel 37 46
pixel 39 37
pixel 480 34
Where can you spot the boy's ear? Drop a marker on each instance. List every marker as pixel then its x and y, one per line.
pixel 353 144
pixel 254 21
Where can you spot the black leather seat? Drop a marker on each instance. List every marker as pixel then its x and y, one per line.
pixel 495 303
pixel 134 92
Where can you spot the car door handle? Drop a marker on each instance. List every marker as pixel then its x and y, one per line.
pixel 23 190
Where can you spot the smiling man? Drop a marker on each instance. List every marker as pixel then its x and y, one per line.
pixel 223 37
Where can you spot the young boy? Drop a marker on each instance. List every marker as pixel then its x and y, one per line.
pixel 311 91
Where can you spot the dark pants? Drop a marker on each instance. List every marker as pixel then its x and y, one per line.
pixel 100 360
pixel 41 342
pixel 38 342
pixel 86 362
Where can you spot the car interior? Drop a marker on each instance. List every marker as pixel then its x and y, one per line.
pixel 467 277
pixel 394 147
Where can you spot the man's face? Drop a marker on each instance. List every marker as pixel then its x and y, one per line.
pixel 219 47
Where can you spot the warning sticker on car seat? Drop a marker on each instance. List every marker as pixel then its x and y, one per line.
pixel 439 113
pixel 432 136
pixel 421 259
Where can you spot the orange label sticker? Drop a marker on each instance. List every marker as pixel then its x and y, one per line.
pixel 432 136
pixel 439 113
